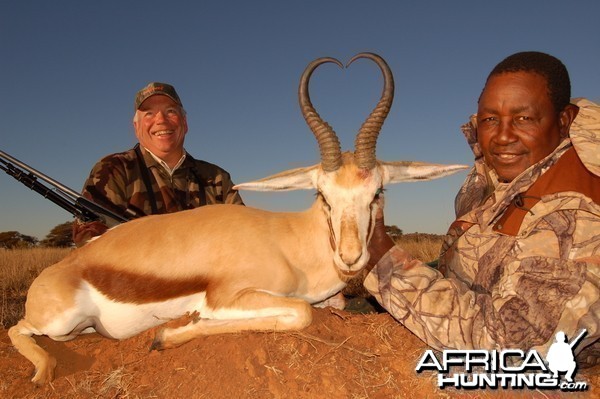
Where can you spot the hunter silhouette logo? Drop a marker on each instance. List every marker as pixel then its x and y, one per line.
pixel 508 368
pixel 560 357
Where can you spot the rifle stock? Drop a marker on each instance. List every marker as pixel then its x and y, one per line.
pixel 61 195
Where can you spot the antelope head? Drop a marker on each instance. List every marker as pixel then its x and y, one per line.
pixel 349 185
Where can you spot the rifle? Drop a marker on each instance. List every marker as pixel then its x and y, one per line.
pixel 61 195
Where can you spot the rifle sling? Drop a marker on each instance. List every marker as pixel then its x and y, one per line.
pixel 146 178
pixel 201 192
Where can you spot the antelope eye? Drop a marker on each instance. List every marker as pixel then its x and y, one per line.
pixel 377 193
pixel 325 203
pixel 376 197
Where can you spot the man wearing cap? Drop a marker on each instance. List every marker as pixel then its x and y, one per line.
pixel 157 175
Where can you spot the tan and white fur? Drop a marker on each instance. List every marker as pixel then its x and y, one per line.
pixel 235 268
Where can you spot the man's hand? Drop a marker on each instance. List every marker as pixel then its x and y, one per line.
pixel 83 232
pixel 380 242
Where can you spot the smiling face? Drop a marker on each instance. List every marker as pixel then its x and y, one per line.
pixel 517 125
pixel 160 126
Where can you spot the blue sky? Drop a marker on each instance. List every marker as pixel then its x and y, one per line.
pixel 70 70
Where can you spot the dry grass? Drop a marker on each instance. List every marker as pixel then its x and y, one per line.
pixel 18 268
pixel 425 247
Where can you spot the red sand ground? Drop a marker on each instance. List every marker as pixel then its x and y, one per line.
pixel 341 355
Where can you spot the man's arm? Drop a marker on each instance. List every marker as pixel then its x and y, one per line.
pixel 105 185
pixel 532 296
pixel 230 196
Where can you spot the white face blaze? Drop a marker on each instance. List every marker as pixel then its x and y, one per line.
pixel 350 194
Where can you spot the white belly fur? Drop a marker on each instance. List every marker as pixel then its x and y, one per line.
pixel 122 320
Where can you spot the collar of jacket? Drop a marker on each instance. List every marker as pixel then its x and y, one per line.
pixel 151 161
pixel 568 174
pixel 585 134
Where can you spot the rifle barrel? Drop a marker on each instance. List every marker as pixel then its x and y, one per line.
pixel 61 195
pixel 39 174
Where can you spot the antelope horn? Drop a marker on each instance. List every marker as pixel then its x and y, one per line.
pixel 366 139
pixel 329 145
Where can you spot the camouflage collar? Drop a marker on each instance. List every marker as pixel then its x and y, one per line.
pixel 585 134
pixel 505 193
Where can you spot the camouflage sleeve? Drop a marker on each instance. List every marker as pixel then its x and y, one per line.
pixel 106 187
pixel 230 196
pixel 418 296
pixel 531 298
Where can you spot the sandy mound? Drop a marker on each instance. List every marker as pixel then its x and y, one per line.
pixel 341 355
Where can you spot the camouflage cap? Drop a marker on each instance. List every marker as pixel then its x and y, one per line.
pixel 154 88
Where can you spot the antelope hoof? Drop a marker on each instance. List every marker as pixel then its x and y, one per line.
pixel 157 345
pixel 44 373
pixel 159 341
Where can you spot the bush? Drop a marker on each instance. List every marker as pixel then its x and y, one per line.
pixel 60 236
pixel 14 239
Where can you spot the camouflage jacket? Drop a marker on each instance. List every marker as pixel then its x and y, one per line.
pixel 116 182
pixel 520 263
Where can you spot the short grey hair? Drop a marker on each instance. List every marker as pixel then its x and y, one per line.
pixel 136 114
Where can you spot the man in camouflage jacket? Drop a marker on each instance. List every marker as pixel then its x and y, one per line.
pixel 522 260
pixel 156 176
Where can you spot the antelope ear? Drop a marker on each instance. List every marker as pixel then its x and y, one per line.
pixel 293 179
pixel 408 171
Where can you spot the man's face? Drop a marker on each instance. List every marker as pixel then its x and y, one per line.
pixel 160 126
pixel 517 125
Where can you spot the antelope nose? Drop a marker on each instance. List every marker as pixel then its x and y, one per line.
pixel 350 258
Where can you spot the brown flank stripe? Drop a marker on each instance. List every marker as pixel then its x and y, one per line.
pixel 127 287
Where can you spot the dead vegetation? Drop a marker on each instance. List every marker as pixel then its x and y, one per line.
pixel 18 268
pixel 425 247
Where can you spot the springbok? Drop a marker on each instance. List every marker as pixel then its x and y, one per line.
pixel 234 268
